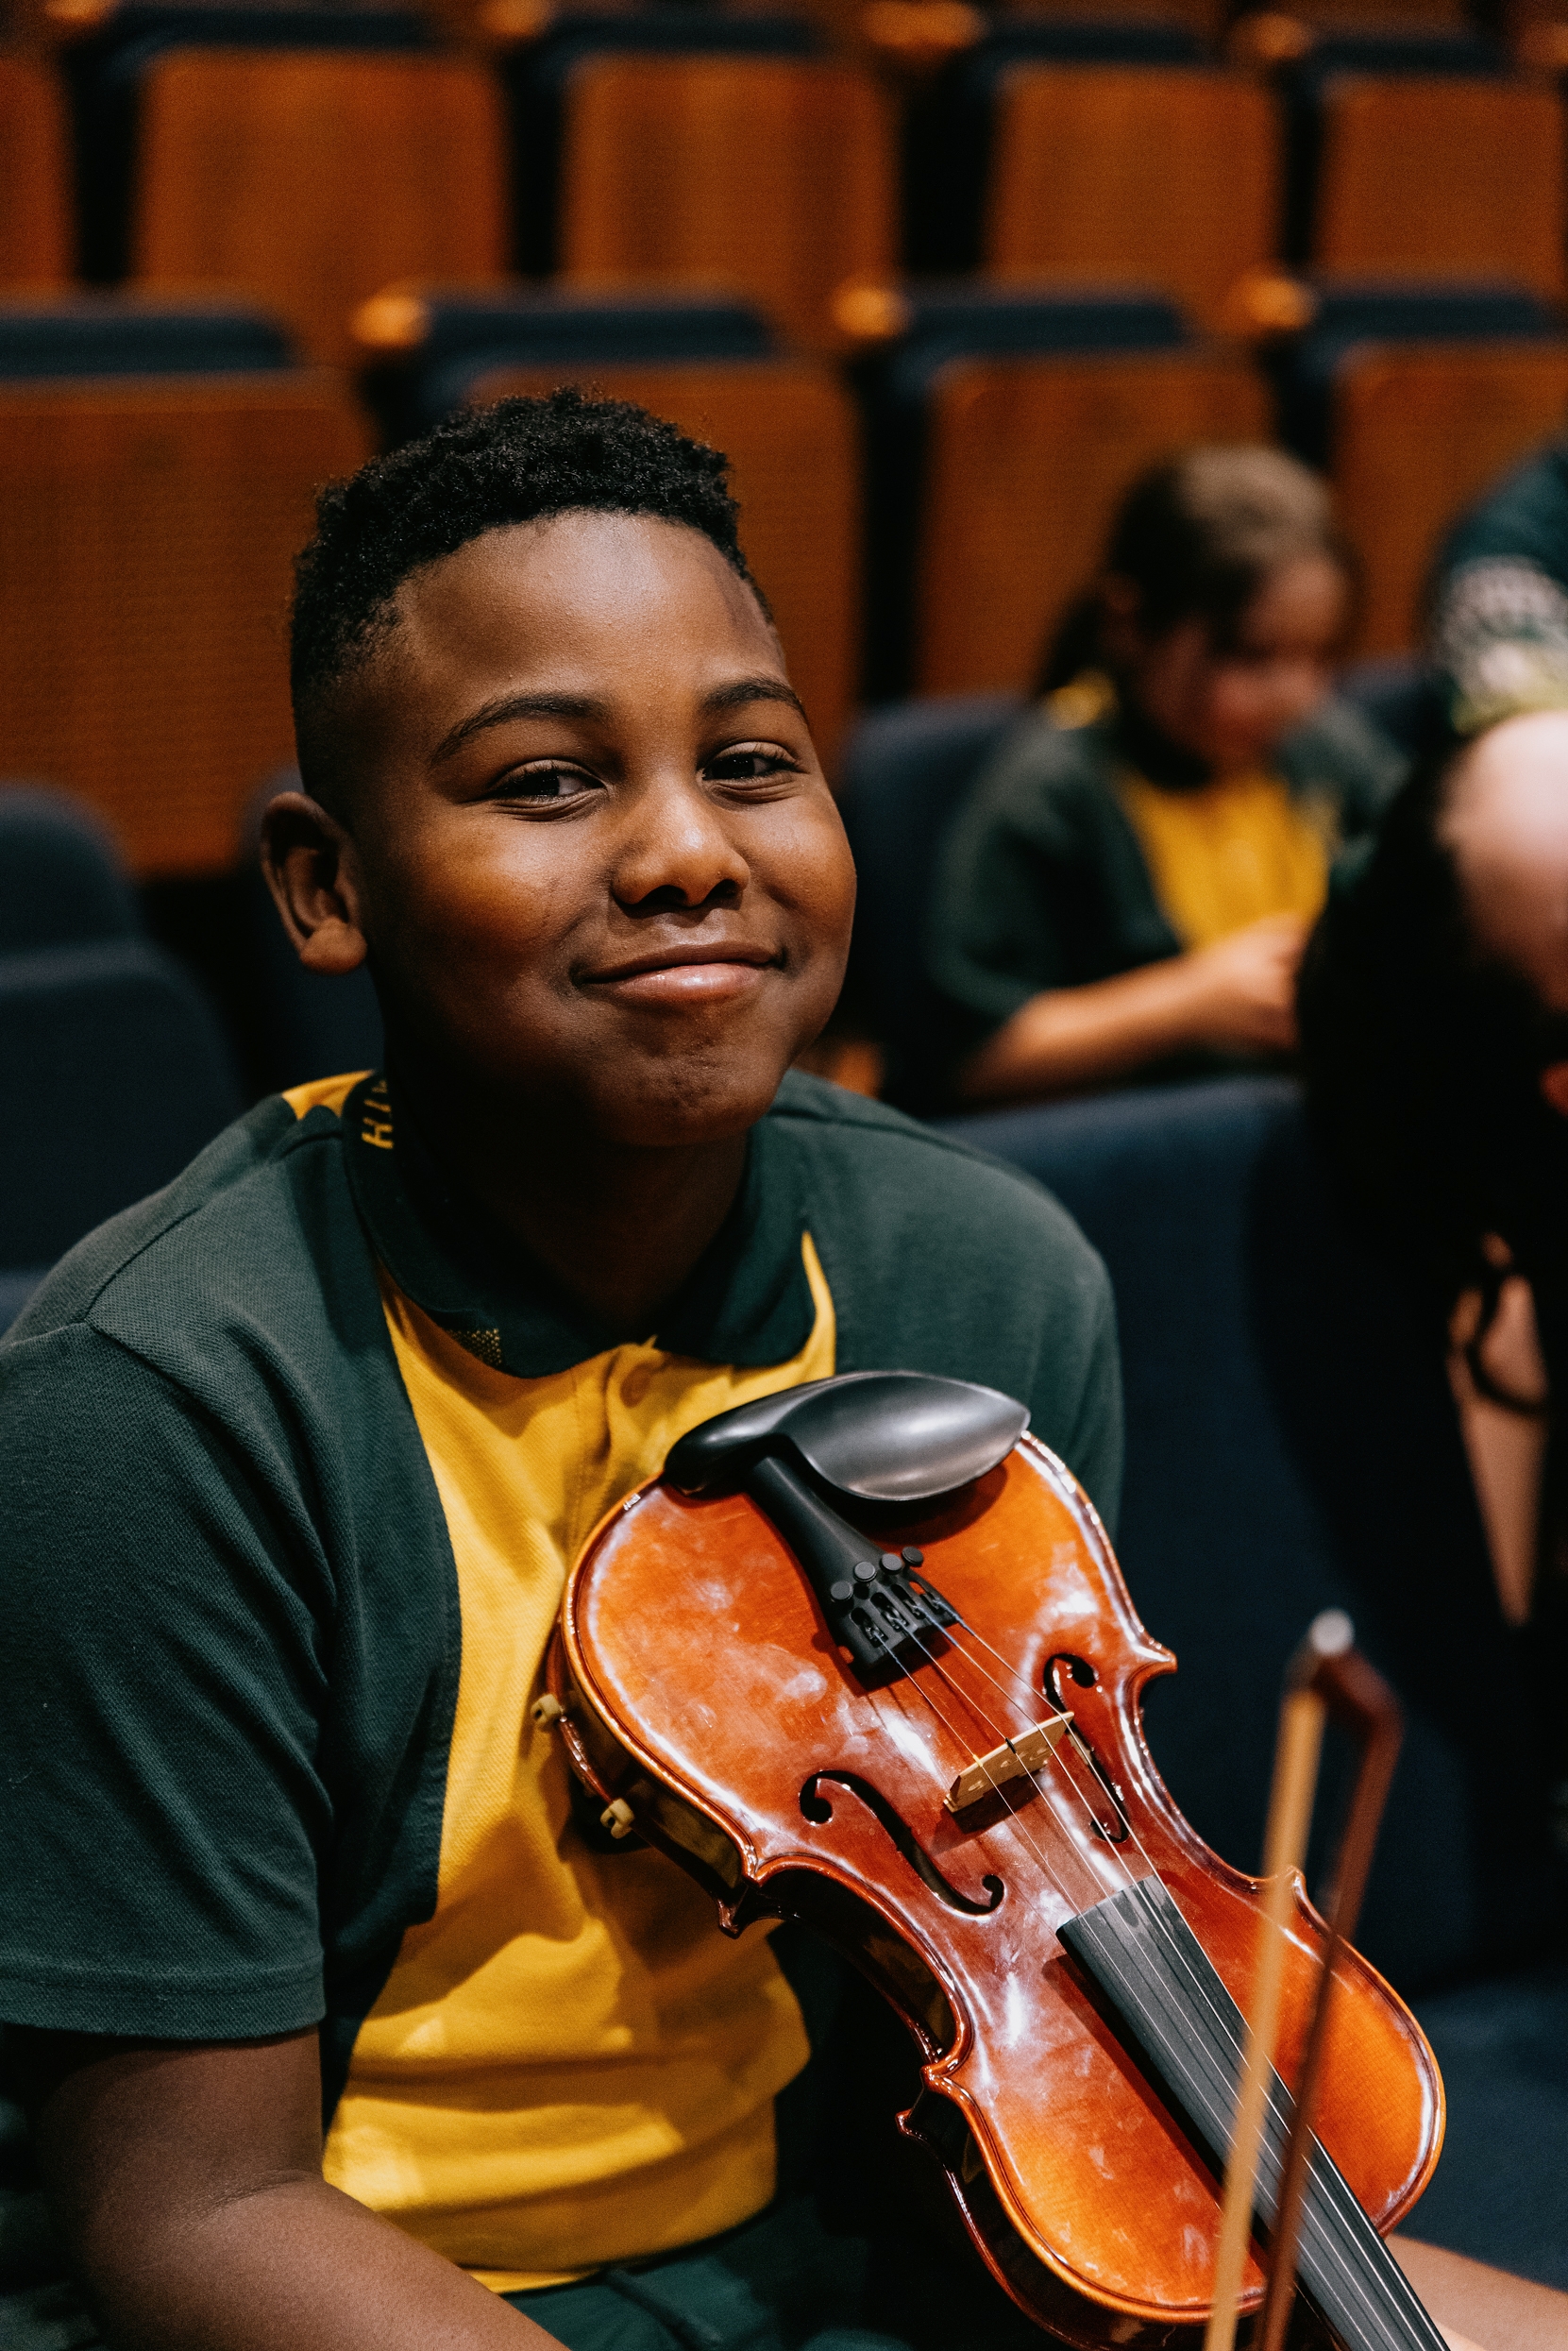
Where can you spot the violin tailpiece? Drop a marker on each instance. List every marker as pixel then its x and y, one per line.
pixel 1143 1958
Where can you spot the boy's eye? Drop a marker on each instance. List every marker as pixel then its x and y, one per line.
pixel 550 780
pixel 751 762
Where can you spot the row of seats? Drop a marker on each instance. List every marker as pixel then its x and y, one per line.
pixel 310 159
pixel 922 526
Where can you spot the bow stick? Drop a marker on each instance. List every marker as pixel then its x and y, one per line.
pixel 1327 1675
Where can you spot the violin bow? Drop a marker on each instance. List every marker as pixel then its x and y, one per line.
pixel 1327 1676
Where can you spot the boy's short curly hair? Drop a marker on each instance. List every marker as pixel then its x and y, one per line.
pixel 518 461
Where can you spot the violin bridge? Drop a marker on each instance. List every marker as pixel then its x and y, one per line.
pixel 1015 1759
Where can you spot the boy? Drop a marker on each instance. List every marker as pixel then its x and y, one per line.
pixel 302 1450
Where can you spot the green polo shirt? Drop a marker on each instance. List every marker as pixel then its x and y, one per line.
pixel 298 1456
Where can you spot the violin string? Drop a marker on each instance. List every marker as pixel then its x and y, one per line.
pixel 1353 2275
pixel 997 1786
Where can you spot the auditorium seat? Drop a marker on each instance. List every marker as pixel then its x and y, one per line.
pixel 1145 175
pixel 147 527
pixel 1439 176
pixel 1414 398
pixel 1001 424
pixel 950 117
pixel 1419 435
pixel 61 880
pixel 424 348
pixel 1292 1446
pixel 305 157
pixel 113 1074
pixel 542 69
pixel 772 177
pixel 37 236
pixel 1025 460
pixel 906 770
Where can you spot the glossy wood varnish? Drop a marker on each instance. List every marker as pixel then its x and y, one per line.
pixel 702 1686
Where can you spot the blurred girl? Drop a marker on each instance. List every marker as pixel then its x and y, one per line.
pixel 1129 888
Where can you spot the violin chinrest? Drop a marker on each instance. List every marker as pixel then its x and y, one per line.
pixel 895 1437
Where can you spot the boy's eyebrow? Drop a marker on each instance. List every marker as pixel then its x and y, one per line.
pixel 753 690
pixel 508 707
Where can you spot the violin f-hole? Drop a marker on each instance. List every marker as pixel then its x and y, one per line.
pixel 817 1808
pixel 1084 1676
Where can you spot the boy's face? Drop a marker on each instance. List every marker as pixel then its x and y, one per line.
pixel 593 857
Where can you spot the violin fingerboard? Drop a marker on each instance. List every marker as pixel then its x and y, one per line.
pixel 1187 2031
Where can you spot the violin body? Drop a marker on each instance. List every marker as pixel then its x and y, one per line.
pixel 703 1690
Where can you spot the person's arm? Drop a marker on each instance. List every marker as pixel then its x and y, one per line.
pixel 1238 993
pixel 186 2183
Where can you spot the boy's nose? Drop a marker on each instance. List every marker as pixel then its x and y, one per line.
pixel 676 852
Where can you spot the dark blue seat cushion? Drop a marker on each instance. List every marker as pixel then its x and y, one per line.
pixel 62 882
pixel 1500 2192
pixel 906 770
pixel 113 1074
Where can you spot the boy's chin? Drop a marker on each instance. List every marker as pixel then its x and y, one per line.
pixel 674 1104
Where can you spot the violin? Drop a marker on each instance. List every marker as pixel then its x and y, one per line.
pixel 863 1656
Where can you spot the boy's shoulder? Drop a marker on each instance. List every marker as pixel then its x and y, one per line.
pixel 908 1182
pixel 229 1246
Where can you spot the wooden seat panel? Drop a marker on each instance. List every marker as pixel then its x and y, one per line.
pixel 1424 176
pixel 1419 433
pixel 790 434
pixel 147 531
pixel 770 175
pixel 1025 462
pixel 1134 175
pixel 36 233
pixel 310 180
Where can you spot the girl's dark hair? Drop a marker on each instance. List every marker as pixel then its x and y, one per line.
pixel 1423 1056
pixel 1197 537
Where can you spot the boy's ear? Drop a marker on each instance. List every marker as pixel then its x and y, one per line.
pixel 1553 1087
pixel 311 869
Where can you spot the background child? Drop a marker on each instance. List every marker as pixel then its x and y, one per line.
pixel 1132 880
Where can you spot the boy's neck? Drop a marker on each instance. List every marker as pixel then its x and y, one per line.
pixel 620 1227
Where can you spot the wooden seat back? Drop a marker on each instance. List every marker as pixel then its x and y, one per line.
pixel 1134 175
pixel 36 231
pixel 148 529
pixel 1427 175
pixel 311 179
pixel 1419 431
pixel 1025 462
pixel 774 177
pixel 789 432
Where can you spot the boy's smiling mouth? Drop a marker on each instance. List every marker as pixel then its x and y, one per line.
pixel 686 973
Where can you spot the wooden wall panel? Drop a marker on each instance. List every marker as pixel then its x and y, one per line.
pixel 1025 462
pixel 1425 176
pixel 311 181
pixel 148 531
pixel 771 176
pixel 1419 433
pixel 790 434
pixel 1135 175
